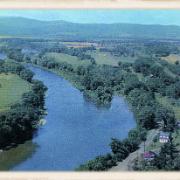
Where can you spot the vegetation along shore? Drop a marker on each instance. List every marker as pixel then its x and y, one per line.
pixel 19 117
pixel 145 82
pixel 144 69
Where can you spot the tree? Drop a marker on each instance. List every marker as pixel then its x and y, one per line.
pixel 167 117
pixel 27 75
pixel 166 160
pixel 146 117
pixel 176 62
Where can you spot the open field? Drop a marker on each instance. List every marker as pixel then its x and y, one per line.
pixel 73 60
pixel 80 44
pixel 172 58
pixel 11 89
pixel 5 36
pixel 107 58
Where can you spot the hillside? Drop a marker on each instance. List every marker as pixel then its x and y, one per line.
pixel 16 26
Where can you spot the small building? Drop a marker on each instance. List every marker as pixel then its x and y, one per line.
pixel 149 155
pixel 163 137
pixel 178 124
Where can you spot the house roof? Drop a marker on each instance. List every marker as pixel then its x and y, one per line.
pixel 149 154
pixel 164 134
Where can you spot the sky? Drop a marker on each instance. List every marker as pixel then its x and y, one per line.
pixel 164 17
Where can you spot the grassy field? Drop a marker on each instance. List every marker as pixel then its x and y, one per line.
pixel 107 58
pixel 172 58
pixel 73 60
pixel 11 89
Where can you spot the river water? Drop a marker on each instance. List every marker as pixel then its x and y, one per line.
pixel 76 129
pixel 2 56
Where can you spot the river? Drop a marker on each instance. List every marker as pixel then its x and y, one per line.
pixel 2 56
pixel 76 129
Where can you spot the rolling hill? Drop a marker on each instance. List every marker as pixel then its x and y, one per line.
pixel 18 26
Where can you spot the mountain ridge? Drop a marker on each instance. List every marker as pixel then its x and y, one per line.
pixel 20 26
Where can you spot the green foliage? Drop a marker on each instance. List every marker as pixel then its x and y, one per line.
pixel 143 65
pixel 21 120
pixel 161 49
pixel 167 117
pixel 11 90
pixel 100 163
pixel 177 62
pixel 139 82
pixel 174 90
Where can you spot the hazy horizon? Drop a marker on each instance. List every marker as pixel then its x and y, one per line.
pixel 161 17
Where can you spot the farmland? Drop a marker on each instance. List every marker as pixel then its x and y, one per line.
pixel 108 59
pixel 144 71
pixel 172 58
pixel 73 60
pixel 11 89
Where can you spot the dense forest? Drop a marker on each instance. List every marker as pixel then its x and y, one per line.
pixel 140 81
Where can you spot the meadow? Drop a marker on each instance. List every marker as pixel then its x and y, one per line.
pixel 172 58
pixel 11 89
pixel 108 59
pixel 73 60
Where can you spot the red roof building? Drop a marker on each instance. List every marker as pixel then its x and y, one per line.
pixel 149 155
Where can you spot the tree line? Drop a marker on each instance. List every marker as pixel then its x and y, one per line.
pixel 21 120
pixel 101 82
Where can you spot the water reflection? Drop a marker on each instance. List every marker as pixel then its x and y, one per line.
pixel 9 158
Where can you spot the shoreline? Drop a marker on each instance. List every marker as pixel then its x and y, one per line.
pixel 80 88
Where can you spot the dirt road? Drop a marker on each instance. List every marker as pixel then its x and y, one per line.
pixel 126 164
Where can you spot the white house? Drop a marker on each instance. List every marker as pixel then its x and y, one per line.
pixel 163 137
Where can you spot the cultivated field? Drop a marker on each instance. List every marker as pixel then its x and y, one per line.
pixel 172 58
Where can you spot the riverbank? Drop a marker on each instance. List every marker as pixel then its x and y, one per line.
pixel 101 83
pixel 10 158
pixel 67 76
pixel 67 108
pixel 130 157
pixel 20 120
pixel 147 111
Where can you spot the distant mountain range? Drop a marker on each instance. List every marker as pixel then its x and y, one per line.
pixel 17 26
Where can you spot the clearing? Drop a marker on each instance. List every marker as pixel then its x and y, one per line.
pixel 108 59
pixel 172 58
pixel 11 89
pixel 73 60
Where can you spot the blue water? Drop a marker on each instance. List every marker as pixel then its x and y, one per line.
pixel 76 129
pixel 2 56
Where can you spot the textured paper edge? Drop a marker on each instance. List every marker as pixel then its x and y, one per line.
pixel 89 4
